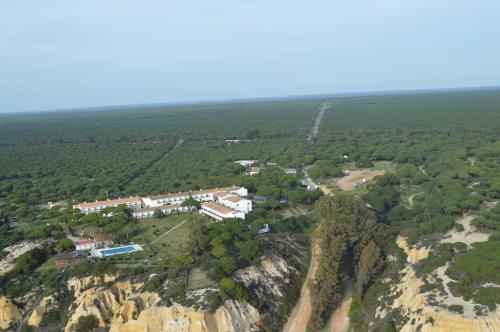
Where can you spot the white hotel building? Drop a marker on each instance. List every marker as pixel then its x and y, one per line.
pixel 219 212
pixel 199 195
pixel 130 202
pixel 218 203
pixel 148 212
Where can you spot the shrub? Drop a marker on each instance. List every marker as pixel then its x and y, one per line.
pixel 456 308
pixel 228 264
pixel 87 323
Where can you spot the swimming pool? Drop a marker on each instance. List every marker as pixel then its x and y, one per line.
pixel 115 251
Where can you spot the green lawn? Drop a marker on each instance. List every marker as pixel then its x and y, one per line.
pixel 172 244
pixel 151 228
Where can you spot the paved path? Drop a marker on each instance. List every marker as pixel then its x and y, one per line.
pixel 306 179
pixel 313 132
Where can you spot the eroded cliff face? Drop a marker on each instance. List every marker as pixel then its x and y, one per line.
pixel 9 313
pixel 283 261
pixel 416 307
pixel 122 307
pixel 46 304
pixel 233 316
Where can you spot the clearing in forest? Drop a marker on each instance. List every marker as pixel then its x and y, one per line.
pixel 357 178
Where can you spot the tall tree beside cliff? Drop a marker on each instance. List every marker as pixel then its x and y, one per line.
pixel 344 220
pixel 198 234
pixel 370 262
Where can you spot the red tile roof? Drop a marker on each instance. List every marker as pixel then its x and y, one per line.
pixel 81 242
pixel 110 202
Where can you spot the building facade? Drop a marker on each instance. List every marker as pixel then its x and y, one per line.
pixel 228 202
pixel 131 202
pixel 219 212
pixel 164 209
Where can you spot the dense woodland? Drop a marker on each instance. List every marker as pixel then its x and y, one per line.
pixel 71 157
pixel 445 148
pixel 80 156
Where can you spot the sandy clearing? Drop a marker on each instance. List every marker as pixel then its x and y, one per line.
pixel 469 235
pixel 13 252
pixel 356 178
pixel 414 304
pixel 325 190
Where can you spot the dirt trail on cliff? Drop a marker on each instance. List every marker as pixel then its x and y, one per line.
pixel 339 322
pixel 299 318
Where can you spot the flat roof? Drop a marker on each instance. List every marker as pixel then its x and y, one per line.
pixel 234 198
pixel 219 208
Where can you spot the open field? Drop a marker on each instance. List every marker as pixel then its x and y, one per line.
pixel 356 178
pixel 173 243
pixel 149 229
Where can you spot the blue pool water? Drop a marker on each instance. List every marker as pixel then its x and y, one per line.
pixel 119 250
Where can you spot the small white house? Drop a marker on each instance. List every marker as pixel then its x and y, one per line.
pixel 291 171
pixel 245 163
pixel 84 245
pixel 265 229
pixel 88 244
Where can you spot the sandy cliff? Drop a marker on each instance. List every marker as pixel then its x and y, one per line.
pixel 122 307
pixel 9 313
pixel 414 304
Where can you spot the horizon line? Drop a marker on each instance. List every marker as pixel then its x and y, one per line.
pixel 249 99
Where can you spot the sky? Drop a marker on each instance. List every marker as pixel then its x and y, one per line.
pixel 73 54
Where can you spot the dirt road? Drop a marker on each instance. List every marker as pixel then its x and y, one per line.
pixel 412 197
pixel 299 318
pixel 339 321
pixel 300 315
